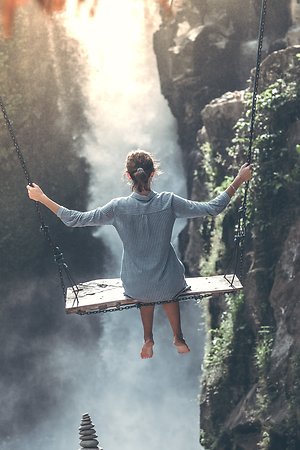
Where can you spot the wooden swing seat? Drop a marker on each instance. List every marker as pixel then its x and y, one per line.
pixel 99 295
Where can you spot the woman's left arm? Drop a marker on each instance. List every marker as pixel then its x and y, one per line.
pixel 191 209
pixel 244 174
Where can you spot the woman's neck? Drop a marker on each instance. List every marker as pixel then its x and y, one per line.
pixel 143 192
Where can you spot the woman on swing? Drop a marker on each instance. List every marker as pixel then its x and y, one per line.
pixel 144 221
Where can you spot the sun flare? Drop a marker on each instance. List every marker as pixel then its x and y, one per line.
pixel 114 30
pixel 8 8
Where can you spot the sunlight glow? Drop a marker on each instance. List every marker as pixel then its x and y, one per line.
pixel 122 91
pixel 8 8
pixel 115 29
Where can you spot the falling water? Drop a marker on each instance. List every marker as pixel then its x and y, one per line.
pixel 125 106
pixel 137 404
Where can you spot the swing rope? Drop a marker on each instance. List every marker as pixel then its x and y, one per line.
pixel 240 232
pixel 57 253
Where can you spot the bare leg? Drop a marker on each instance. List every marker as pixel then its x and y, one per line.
pixel 147 313
pixel 172 311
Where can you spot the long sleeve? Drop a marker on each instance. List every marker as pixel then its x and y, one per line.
pixel 100 216
pixel 189 209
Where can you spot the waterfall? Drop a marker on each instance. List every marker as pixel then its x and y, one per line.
pixel 138 404
pixel 125 106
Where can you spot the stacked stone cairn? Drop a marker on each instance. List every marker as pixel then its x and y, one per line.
pixel 88 434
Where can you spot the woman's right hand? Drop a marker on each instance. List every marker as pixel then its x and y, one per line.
pixel 35 192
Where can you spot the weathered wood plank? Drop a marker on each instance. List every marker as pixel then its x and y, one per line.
pixel 98 295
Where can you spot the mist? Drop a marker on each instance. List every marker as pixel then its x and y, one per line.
pixel 156 400
pixel 126 108
pixel 135 404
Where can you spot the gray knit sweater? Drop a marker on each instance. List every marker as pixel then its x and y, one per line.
pixel 150 269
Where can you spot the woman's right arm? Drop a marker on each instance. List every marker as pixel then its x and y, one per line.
pixel 36 193
pixel 72 218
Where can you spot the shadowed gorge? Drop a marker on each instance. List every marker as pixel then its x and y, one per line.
pixel 46 109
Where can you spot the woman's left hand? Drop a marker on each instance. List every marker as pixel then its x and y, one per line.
pixel 245 172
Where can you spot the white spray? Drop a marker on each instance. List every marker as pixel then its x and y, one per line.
pixel 134 404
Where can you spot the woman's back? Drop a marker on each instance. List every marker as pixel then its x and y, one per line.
pixel 150 269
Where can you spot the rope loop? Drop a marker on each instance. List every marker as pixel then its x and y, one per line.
pixel 59 257
pixel 44 228
pixel 242 209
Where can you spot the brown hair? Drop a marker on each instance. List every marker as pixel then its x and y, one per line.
pixel 140 165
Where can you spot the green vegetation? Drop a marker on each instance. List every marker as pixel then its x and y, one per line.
pixel 265 441
pixel 273 202
pixel 275 189
pixel 262 356
pixel 221 340
pixel 263 350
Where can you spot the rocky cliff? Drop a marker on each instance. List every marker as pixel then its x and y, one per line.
pixel 205 53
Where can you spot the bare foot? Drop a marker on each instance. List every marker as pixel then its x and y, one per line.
pixel 181 345
pixel 147 349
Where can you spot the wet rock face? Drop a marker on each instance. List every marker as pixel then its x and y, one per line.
pixel 278 63
pixel 209 48
pixel 274 390
pixel 293 34
pixel 284 296
pixel 242 427
pixel 219 118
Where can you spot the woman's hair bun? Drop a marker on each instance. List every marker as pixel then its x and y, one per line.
pixel 140 165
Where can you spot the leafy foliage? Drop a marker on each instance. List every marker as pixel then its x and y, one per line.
pixel 275 190
pixel 274 199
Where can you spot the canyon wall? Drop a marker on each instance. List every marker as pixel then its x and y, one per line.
pixel 205 53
